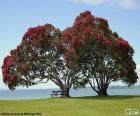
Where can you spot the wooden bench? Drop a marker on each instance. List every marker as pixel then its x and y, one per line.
pixel 56 94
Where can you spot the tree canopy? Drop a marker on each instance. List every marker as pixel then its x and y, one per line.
pixel 88 52
pixel 101 55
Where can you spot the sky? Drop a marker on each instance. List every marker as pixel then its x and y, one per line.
pixel 16 16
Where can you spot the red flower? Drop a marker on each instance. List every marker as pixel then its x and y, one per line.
pixel 66 33
pixel 4 71
pixel 106 41
pixel 8 61
pixel 122 43
pixel 86 13
pixel 37 35
pixel 90 18
pixel 85 17
pixel 11 78
pixel 87 30
pixel 101 20
pixel 75 41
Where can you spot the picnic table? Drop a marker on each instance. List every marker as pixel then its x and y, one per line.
pixel 56 94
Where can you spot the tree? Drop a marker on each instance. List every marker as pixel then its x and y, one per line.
pixel 100 54
pixel 37 59
pixel 86 53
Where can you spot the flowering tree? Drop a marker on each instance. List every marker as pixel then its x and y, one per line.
pixel 38 59
pixel 100 54
pixel 86 53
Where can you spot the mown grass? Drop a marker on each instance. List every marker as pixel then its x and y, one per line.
pixel 80 106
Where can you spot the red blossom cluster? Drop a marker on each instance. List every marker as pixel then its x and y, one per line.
pixel 98 19
pixel 84 17
pixel 122 43
pixel 90 29
pixel 4 71
pixel 103 23
pixel 38 34
pixel 86 28
pixel 7 63
pixel 67 34
pixel 106 41
pixel 11 78
pixel 76 41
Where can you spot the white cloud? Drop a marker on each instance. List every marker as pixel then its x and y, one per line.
pixel 126 4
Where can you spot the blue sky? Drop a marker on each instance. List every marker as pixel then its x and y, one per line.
pixel 16 16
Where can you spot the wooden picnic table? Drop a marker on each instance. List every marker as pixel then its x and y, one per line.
pixel 56 93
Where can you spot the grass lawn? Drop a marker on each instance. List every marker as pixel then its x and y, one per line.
pixel 81 106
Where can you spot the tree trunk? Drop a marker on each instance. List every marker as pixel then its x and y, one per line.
pixel 102 92
pixel 65 92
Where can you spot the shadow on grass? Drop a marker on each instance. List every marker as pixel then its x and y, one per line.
pixel 117 97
